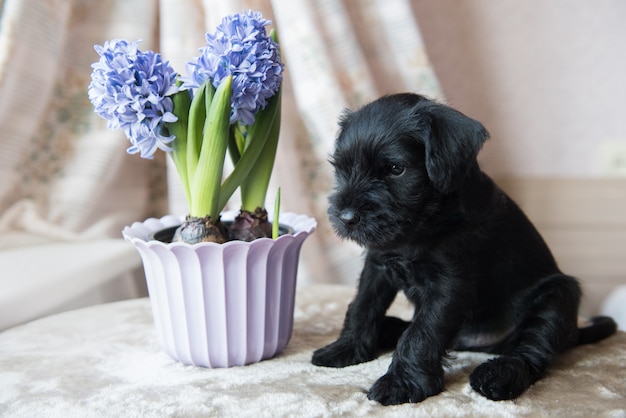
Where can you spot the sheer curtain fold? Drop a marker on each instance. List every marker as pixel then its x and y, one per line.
pixel 65 176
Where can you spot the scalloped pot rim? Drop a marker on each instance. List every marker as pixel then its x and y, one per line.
pixel 138 232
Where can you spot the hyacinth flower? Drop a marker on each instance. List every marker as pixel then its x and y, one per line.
pixel 230 101
pixel 240 48
pixel 132 91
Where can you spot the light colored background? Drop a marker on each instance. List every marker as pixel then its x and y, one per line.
pixel 547 79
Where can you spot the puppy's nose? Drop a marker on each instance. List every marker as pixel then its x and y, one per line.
pixel 349 217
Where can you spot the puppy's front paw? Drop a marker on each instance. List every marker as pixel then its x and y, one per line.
pixel 398 388
pixel 501 378
pixel 341 353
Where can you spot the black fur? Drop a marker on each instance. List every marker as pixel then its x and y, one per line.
pixel 409 190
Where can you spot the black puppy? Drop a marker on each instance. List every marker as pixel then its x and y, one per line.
pixel 409 190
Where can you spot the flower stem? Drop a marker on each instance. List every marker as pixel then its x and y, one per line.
pixel 205 184
pixel 275 224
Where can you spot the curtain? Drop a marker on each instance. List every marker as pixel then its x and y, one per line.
pixel 65 176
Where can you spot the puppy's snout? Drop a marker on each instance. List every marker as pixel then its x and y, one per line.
pixel 349 217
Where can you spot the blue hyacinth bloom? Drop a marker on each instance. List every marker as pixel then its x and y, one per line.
pixel 240 47
pixel 131 90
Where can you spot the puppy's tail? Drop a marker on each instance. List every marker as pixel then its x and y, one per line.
pixel 601 327
pixel 391 331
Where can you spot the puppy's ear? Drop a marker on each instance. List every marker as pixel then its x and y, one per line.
pixel 452 143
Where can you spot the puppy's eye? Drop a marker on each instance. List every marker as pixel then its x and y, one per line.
pixel 395 170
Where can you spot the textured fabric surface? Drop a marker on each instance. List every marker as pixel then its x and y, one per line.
pixel 105 361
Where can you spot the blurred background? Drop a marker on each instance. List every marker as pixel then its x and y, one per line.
pixel 547 79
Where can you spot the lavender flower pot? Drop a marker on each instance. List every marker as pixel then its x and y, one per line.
pixel 221 305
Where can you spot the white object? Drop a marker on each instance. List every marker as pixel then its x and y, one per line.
pixel 221 305
pixel 615 306
pixel 39 280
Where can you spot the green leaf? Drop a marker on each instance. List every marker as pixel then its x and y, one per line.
pixel 258 133
pixel 254 187
pixel 181 101
pixel 205 184
pixel 197 116
pixel 235 143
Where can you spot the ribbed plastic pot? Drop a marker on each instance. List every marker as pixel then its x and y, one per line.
pixel 221 305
